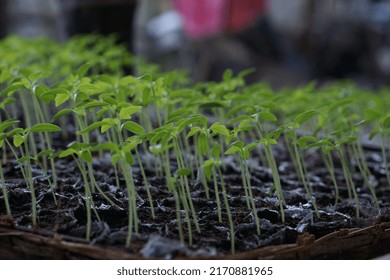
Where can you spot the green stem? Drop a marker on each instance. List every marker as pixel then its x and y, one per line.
pixel 31 184
pixel 275 173
pixel 330 166
pixel 146 183
pixel 384 158
pixel 302 172
pixel 348 178
pixel 5 192
pixel 228 211
pixel 252 201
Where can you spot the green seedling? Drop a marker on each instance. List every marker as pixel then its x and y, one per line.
pixel 290 131
pixel 81 154
pixel 21 139
pixel 168 136
pixel 243 153
pixel 211 168
pixel 266 140
pixel 3 135
pixel 384 131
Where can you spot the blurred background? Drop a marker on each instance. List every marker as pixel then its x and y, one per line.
pixel 288 42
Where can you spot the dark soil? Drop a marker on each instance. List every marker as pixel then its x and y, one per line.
pixel 159 237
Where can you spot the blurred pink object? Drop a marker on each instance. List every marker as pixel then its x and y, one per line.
pixel 201 18
pixel 205 18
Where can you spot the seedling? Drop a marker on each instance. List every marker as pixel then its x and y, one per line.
pixel 20 139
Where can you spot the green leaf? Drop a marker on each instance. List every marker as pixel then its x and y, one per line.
pixel 386 122
pixel 157 136
pixel 11 89
pixel 216 151
pixel 44 153
pixel 25 158
pixel 275 134
pixel 304 140
pixel 109 146
pixel 244 107
pixel 13 131
pixel 219 129
pixel 267 142
pixel 267 116
pixel 45 127
pixel 83 69
pixel 175 119
pixel 126 112
pixel 67 153
pixel 227 75
pixel 193 131
pixel 94 104
pixel 301 118
pixel 133 127
pixel 56 91
pixel 374 132
pixel 146 77
pixel 18 140
pixel 340 103
pixel 115 158
pixel 60 113
pixel 198 118
pixel 183 172
pixel 91 127
pixel 86 155
pixel 61 99
pixel 232 150
pixel 240 119
pixel 7 101
pixel 251 146
pixel 89 89
pixel 80 111
pixel 208 168
pixel 7 123
pixel 346 140
pixel 246 72
pixel 129 158
pixel 203 143
pixel 328 149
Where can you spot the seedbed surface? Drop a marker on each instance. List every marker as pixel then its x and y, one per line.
pixel 69 216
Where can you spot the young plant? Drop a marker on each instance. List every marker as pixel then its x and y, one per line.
pixel 266 140
pixel 21 139
pixel 243 153
pixel 3 135
pixel 326 157
pixel 299 160
pixel 211 168
pixel 383 129
pixel 81 154
pixel 168 136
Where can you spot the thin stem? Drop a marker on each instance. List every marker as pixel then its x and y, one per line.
pixel 146 183
pixel 252 201
pixel 5 192
pixel 302 173
pixel 349 180
pixel 384 158
pixel 31 184
pixel 330 166
pixel 230 218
